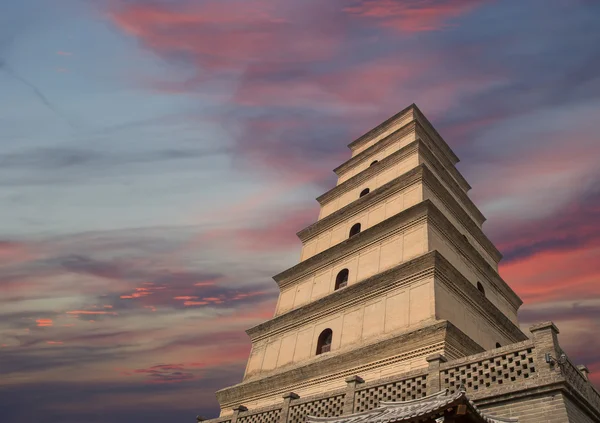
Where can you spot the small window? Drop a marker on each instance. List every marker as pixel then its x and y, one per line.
pixel 498 345
pixel 364 192
pixel 374 161
pixel 354 230
pixel 324 342
pixel 480 288
pixel 342 279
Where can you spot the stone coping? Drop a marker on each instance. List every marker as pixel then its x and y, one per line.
pixel 544 325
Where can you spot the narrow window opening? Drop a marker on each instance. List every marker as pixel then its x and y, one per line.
pixel 480 288
pixel 341 279
pixel 498 345
pixel 354 230
pixel 374 161
pixel 324 342
pixel 364 192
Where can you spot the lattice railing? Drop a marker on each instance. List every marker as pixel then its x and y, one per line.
pixel 578 381
pixel 326 407
pixel 402 390
pixel 505 368
pixel 271 416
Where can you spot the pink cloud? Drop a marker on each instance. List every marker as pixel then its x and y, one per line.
pixel 64 53
pixel 15 252
pixel 243 30
pixel 412 15
pixel 555 275
pixel 278 234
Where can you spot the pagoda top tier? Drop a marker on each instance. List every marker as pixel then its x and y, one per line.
pixel 391 125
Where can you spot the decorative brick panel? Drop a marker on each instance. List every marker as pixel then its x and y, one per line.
pixel 327 407
pixel 403 390
pixel 505 369
pixel 271 416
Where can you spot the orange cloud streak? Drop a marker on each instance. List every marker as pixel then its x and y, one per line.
pixel 44 322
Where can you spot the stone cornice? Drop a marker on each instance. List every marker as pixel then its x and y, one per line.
pixel 417 174
pixel 435 134
pixel 446 273
pixel 423 149
pixel 392 120
pixel 396 223
pixel 456 189
pixel 369 172
pixel 403 273
pixel 452 204
pixel 410 127
pixel 440 222
pixel 397 184
pixel 382 127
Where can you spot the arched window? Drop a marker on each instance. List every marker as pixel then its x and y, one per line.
pixel 480 288
pixel 355 229
pixel 341 279
pixel 374 161
pixel 324 342
pixel 498 345
pixel 364 192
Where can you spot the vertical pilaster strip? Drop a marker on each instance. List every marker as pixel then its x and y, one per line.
pixel 285 409
pixel 236 412
pixel 351 381
pixel 434 384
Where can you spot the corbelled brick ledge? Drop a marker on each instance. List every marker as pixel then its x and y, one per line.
pixel 499 380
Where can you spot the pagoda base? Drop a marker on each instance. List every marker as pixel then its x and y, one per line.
pixel 382 358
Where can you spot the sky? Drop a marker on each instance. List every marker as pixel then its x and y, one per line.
pixel 158 157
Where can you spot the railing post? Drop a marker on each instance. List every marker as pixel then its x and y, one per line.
pixel 285 409
pixel 351 382
pixel 236 412
pixel 434 383
pixel 545 338
pixel 584 370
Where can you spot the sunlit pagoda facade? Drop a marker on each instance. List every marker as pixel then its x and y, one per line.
pixel 396 311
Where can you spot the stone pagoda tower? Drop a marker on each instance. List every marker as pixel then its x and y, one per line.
pixel 397 297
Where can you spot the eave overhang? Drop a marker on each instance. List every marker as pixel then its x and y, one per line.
pixel 421 173
pixel 420 117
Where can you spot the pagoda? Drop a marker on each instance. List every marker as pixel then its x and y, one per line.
pixel 397 304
